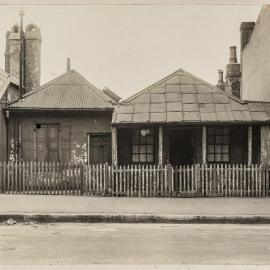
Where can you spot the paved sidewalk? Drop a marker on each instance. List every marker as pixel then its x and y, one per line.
pixel 156 208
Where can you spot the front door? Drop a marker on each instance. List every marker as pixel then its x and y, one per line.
pixel 181 146
pixel 100 148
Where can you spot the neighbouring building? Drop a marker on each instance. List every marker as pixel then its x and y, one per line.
pixel 182 119
pixel 9 92
pixel 255 56
pixel 66 119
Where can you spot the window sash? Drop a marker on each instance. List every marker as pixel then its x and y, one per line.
pixel 218 145
pixel 142 146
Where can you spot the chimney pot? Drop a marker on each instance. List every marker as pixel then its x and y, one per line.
pixel 220 77
pixel 68 64
pixel 233 57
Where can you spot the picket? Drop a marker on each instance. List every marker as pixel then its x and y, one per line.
pixel 226 180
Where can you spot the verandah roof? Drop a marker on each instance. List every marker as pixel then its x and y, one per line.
pixel 183 98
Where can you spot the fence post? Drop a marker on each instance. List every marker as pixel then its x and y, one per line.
pixel 106 179
pixel 169 179
pixel 267 184
pixel 81 178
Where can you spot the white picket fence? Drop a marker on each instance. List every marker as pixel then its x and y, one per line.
pixel 135 180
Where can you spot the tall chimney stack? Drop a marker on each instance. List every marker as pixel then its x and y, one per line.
pixel 7 53
pixel 220 83
pixel 246 29
pixel 68 64
pixel 233 74
pixel 233 57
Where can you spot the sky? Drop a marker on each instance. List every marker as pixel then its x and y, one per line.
pixel 129 47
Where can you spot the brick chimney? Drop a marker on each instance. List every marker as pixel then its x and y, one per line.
pixel 7 53
pixel 32 57
pixel 220 83
pixel 233 74
pixel 32 54
pixel 246 29
pixel 68 64
pixel 12 52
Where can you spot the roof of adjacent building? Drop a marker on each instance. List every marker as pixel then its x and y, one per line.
pixel 5 81
pixel 183 98
pixel 70 91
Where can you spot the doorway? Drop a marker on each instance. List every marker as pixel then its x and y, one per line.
pixel 99 148
pixel 181 146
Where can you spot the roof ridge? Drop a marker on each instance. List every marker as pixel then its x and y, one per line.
pixel 59 78
pixel 90 85
pixel 188 74
pixel 214 87
pixel 150 87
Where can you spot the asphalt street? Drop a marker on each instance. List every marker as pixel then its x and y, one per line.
pixel 73 243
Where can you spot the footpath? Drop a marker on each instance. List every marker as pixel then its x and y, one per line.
pixel 53 208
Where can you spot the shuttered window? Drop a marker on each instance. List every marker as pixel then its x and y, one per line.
pixel 52 142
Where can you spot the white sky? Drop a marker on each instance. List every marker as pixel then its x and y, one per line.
pixel 127 48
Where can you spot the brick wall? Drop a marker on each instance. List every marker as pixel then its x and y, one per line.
pixel 80 124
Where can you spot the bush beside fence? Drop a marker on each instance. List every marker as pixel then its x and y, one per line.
pixel 135 180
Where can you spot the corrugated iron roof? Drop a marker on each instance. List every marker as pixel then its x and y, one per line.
pixel 5 80
pixel 182 97
pixel 68 91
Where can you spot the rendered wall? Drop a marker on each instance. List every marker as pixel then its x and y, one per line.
pixel 256 61
pixel 80 124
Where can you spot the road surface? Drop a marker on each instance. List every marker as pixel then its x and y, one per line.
pixel 69 243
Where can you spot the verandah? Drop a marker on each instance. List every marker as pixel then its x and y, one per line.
pixel 199 180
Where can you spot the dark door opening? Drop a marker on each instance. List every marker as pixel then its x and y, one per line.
pixel 181 146
pixel 100 149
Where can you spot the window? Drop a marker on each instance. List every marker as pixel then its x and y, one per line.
pixel 52 142
pixel 218 144
pixel 143 145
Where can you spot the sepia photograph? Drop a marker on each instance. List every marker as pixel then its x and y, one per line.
pixel 135 135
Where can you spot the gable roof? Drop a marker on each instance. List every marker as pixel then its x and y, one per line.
pixel 70 91
pixel 5 81
pixel 183 98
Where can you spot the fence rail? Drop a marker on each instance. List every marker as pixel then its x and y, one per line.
pixel 135 180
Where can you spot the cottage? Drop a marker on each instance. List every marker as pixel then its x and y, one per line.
pixel 182 119
pixel 66 119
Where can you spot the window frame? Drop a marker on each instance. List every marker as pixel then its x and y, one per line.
pixel 146 144
pixel 47 125
pixel 218 144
